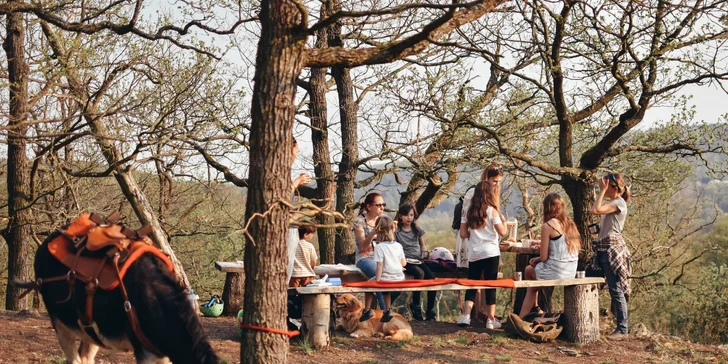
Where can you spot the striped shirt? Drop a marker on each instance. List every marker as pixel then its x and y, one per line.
pixel 305 254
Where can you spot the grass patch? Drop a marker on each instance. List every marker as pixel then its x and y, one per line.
pixel 340 339
pixel 607 362
pixel 438 342
pixel 56 360
pixel 462 340
pixel 305 346
pixel 498 337
pixel 503 358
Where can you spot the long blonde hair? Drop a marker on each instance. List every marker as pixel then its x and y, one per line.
pixel 384 228
pixel 554 208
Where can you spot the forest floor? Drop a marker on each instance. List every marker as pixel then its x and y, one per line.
pixel 30 339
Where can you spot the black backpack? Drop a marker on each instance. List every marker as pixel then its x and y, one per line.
pixel 457 214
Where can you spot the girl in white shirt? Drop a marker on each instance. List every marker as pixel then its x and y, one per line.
pixel 483 225
pixel 390 260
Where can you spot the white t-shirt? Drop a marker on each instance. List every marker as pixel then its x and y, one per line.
pixel 391 254
pixel 483 242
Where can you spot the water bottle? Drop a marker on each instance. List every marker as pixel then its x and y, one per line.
pixel 193 299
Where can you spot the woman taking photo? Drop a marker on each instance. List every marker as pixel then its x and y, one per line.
pixel 560 245
pixel 611 254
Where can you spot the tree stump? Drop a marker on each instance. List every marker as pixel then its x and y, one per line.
pixel 544 297
pixel 581 313
pixel 316 318
pixel 232 293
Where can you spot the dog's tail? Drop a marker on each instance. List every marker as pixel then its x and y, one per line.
pixel 400 334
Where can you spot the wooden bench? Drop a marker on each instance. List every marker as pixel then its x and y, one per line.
pixel 581 306
pixel 232 294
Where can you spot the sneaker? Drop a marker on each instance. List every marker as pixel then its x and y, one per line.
pixel 618 336
pixel 295 322
pixel 463 321
pixel 431 316
pixel 492 324
pixel 387 316
pixel 416 312
pixel 366 315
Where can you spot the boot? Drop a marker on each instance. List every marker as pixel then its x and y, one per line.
pixel 416 312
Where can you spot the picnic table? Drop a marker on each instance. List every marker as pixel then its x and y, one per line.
pixel 581 305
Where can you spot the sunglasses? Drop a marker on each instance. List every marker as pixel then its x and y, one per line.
pixel 382 205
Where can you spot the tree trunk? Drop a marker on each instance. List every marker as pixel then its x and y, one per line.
pixel 145 213
pixel 346 180
pixel 20 216
pixel 581 313
pixel 325 186
pixel 316 319
pixel 581 196
pixel 232 293
pixel 348 113
pixel 278 64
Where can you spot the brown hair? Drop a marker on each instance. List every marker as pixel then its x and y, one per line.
pixel 491 171
pixel 384 228
pixel 369 200
pixel 622 187
pixel 305 229
pixel 405 209
pixel 484 196
pixel 554 208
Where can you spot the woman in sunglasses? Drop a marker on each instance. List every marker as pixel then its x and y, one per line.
pixel 611 254
pixel 365 236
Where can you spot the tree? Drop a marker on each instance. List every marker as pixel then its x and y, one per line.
pixel 17 232
pixel 598 70
pixel 281 57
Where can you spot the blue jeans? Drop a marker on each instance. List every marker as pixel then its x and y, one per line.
pixel 619 303
pixel 369 267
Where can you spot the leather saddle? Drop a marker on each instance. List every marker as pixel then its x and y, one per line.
pixel 98 252
pixel 88 244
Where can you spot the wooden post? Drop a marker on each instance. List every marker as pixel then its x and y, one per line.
pixel 316 318
pixel 581 311
pixel 232 292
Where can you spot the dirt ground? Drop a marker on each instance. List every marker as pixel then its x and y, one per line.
pixel 30 339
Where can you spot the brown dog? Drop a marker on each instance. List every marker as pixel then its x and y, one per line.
pixel 348 311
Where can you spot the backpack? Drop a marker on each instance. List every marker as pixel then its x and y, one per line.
pixel 457 214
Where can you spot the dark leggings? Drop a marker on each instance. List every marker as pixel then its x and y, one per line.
pixel 488 267
pixel 421 271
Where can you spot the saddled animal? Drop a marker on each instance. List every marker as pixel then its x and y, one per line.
pixel 147 312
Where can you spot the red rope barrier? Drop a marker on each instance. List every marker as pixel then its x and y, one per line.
pixel 273 331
